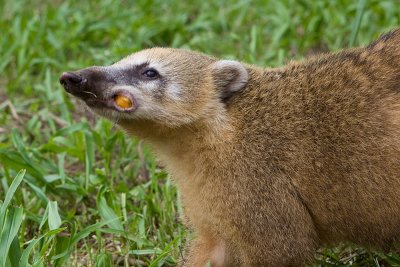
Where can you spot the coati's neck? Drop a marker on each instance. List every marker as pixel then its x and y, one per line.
pixel 186 151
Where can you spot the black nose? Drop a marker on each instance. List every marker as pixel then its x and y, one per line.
pixel 71 81
pixel 70 78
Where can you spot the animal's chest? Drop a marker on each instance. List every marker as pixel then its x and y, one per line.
pixel 206 203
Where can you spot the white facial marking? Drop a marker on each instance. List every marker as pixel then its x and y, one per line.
pixel 139 59
pixel 135 59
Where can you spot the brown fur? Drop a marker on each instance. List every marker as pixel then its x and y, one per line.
pixel 303 156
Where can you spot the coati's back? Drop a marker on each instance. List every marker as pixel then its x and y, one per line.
pixel 330 128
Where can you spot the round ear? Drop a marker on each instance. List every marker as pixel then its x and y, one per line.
pixel 229 76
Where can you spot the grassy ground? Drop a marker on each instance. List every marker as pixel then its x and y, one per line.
pixel 91 196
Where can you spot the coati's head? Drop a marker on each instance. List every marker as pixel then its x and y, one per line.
pixel 169 87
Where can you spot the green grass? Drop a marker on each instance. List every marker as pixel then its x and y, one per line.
pixel 90 196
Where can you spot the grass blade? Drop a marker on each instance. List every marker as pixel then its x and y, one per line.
pixel 10 193
pixel 357 21
pixel 12 223
pixel 54 219
pixel 108 214
pixel 10 220
pixel 76 238
pixel 24 261
pixel 15 252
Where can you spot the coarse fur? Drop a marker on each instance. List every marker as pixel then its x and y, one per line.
pixel 271 163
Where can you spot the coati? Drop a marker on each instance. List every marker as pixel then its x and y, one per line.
pixel 271 163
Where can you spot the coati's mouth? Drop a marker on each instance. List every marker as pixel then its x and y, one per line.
pixel 122 101
pixel 79 86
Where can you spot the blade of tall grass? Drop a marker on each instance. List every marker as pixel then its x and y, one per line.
pixel 107 213
pixel 357 22
pixel 24 261
pixel 15 252
pixel 54 219
pixel 77 237
pixel 10 222
pixel 10 193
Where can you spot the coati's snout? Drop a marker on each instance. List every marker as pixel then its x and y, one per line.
pixel 94 86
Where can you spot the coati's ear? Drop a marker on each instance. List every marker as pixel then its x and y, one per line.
pixel 229 76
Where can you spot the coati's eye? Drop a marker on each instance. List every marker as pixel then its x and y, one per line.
pixel 150 73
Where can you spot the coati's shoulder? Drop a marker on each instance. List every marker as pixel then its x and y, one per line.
pixel 385 51
pixel 390 40
pixel 378 63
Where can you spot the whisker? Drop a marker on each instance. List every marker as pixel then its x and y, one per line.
pixel 90 93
